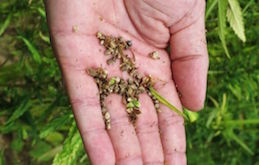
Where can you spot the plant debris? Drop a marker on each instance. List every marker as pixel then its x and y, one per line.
pixel 129 89
pixel 154 55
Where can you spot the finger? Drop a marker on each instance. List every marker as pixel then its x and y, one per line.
pixel 122 133
pixel 148 132
pixel 171 126
pixel 84 97
pixel 189 57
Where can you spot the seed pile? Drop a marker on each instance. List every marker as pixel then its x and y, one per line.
pixel 128 89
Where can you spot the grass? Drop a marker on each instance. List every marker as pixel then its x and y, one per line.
pixel 33 103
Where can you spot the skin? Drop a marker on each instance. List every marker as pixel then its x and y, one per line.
pixel 152 25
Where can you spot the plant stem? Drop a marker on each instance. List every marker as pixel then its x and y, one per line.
pixel 166 103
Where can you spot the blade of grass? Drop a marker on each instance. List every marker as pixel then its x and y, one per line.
pixel 241 122
pixel 222 12
pixel 242 144
pixel 5 24
pixel 24 106
pixel 211 6
pixel 166 103
pixel 32 49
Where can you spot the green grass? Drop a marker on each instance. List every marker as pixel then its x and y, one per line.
pixel 36 122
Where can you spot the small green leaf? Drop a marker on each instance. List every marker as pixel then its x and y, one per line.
pixel 136 103
pixel 222 10
pixel 41 12
pixel 5 24
pixel 193 116
pixel 32 49
pixel 44 38
pixel 130 105
pixel 234 15
pixel 166 103
pixel 112 81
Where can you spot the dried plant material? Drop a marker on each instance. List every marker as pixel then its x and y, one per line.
pixel 100 18
pixel 75 28
pixel 154 55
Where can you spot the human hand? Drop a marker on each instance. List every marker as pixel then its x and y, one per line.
pixel 157 138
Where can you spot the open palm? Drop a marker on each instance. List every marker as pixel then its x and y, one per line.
pixel 157 138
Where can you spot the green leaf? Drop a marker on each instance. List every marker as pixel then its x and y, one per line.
pixel 39 149
pixel 5 24
pixel 193 116
pixel 166 103
pixel 222 10
pixel 235 19
pixel 32 49
pixel 72 148
pixel 54 138
pixel 24 106
pixel 54 124
pixel 49 154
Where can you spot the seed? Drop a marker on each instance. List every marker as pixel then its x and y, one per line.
pixel 117 79
pixel 105 72
pixel 110 61
pixel 141 89
pixel 107 115
pixel 102 42
pixel 120 39
pixel 129 110
pixel 104 109
pixel 154 55
pixel 108 126
pixel 107 52
pixel 110 90
pixel 75 28
pixel 156 101
pixel 130 81
pixel 129 99
pixel 157 106
pixel 129 43
pixel 137 111
pixel 92 72
pixel 130 92
pixel 112 44
pixel 116 89
pixel 99 35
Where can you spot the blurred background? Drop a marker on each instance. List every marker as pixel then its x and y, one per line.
pixel 36 122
